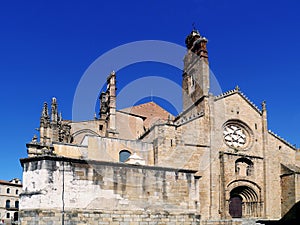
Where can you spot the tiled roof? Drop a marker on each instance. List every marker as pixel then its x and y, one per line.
pixel 151 111
pixel 10 183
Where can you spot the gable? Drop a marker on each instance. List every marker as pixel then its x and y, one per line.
pixel 238 100
pixel 234 105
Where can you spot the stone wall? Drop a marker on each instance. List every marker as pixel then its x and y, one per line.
pixel 104 149
pixel 287 193
pixel 93 192
pixel 78 217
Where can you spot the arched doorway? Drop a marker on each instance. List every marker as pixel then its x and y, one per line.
pixel 243 202
pixel 235 207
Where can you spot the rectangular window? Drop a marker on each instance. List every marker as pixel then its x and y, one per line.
pixel 7 204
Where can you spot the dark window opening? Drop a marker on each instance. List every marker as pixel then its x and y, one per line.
pixel 16 216
pixel 7 204
pixel 7 190
pixel 124 155
pixel 16 204
pixel 7 215
pixel 237 169
pixel 192 81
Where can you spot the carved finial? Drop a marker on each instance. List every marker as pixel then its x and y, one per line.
pixel 264 105
pixel 45 113
pixel 237 88
pixel 54 113
pixel 34 139
pixel 60 117
pixel 110 76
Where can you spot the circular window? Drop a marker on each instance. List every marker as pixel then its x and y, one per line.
pixel 236 135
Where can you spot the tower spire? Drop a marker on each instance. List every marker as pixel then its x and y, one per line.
pixel 54 113
pixel 44 124
pixel 54 133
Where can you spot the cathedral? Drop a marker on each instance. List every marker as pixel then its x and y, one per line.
pixel 214 163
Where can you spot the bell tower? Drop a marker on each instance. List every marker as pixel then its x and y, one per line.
pixel 195 83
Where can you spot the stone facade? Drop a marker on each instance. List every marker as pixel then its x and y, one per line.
pixel 9 201
pixel 214 163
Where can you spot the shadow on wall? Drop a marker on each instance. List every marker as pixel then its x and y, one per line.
pixel 291 218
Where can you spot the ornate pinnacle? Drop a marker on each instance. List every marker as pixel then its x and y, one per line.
pixel 264 106
pixel 60 117
pixel 34 139
pixel 45 113
pixel 54 113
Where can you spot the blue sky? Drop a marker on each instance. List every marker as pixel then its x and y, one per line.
pixel 46 46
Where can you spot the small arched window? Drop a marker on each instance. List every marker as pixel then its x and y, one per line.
pixel 7 215
pixel 17 192
pixel 7 204
pixel 124 155
pixel 8 190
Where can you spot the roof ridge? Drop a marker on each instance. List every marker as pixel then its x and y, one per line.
pixel 282 139
pixel 226 93
pixel 143 104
